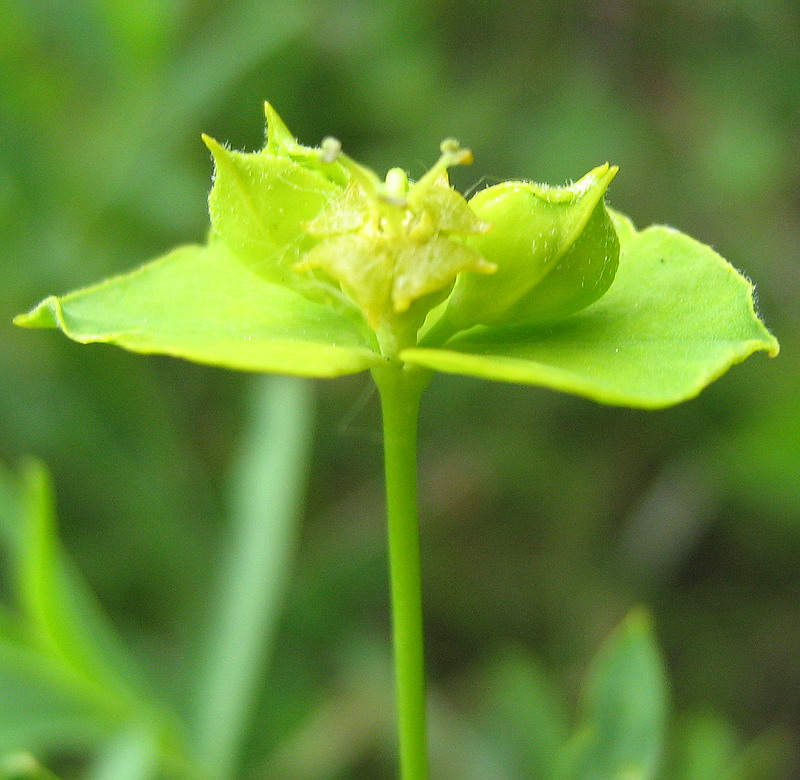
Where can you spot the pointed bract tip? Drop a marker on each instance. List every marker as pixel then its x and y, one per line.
pixel 602 176
pixel 594 183
pixel 213 145
pixel 272 116
pixel 603 173
pixel 278 134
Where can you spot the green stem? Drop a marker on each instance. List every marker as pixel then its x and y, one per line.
pixel 400 391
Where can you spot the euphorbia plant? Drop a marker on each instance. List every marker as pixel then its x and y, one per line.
pixel 317 267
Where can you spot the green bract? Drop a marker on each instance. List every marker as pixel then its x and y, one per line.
pixel 317 267
pixel 555 248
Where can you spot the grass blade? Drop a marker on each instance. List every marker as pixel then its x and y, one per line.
pixel 268 486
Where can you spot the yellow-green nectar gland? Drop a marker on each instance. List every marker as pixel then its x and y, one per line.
pixel 387 242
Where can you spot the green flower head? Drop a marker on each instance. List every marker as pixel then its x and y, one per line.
pixel 316 266
pixel 317 221
pixel 393 246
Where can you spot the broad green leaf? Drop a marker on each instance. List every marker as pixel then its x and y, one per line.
pixel 200 303
pixel 624 710
pixel 676 318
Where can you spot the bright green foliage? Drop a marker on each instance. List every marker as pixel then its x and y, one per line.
pixel 69 682
pixel 66 678
pixel 199 303
pixel 317 267
pixel 676 317
pixel 625 710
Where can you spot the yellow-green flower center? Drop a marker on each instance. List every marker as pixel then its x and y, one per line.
pixel 390 243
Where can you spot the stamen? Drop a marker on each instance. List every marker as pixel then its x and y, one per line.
pixel 330 149
pixel 452 154
pixel 451 149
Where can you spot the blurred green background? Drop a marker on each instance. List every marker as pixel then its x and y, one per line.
pixel 545 517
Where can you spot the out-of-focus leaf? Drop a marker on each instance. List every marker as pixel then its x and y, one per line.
pixel 40 707
pixel 704 749
pixel 23 766
pixel 200 303
pixel 269 488
pixel 131 755
pixel 707 747
pixel 675 319
pixel 66 680
pixel 63 626
pixel 525 714
pixel 625 710
pixel 55 599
